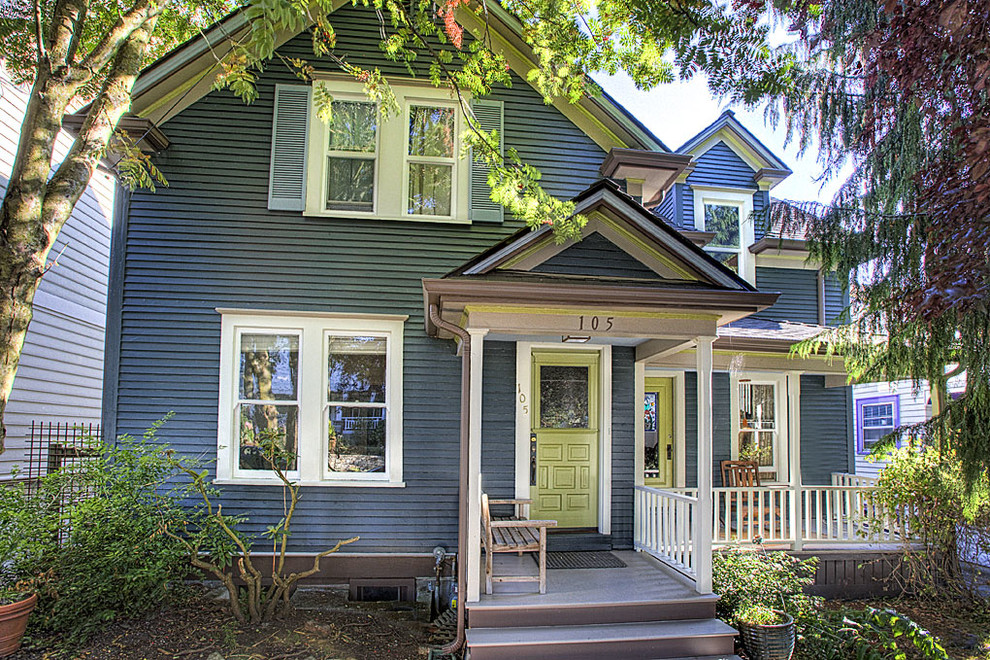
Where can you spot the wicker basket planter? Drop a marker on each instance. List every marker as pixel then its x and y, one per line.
pixel 13 622
pixel 769 642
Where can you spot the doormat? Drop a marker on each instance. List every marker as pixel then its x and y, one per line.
pixel 583 560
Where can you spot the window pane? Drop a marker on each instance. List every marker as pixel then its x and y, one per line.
pixel 356 369
pixel 350 184
pixel 756 406
pixel 563 397
pixel 650 412
pixel 724 221
pixel 261 422
pixel 356 439
pixel 429 189
pixel 269 367
pixel 879 415
pixel 431 131
pixel 353 126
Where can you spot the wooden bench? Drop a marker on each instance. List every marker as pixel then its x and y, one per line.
pixel 513 535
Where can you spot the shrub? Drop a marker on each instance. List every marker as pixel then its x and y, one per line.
pixel 927 491
pixel 773 579
pixel 758 615
pixel 100 555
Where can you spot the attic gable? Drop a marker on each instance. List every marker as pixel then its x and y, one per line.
pixel 174 82
pixel 728 138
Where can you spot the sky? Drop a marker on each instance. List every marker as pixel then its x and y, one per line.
pixel 678 111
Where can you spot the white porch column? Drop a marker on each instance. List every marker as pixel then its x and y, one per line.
pixel 703 519
pixel 794 453
pixel 473 551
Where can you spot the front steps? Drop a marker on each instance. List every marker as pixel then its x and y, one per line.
pixel 642 612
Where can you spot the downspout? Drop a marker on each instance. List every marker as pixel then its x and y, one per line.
pixel 463 473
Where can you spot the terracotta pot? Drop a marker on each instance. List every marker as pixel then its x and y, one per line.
pixel 13 622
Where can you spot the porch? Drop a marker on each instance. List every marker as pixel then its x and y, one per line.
pixel 643 610
pixel 846 515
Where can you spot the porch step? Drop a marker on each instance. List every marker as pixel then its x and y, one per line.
pixel 510 612
pixel 561 541
pixel 650 640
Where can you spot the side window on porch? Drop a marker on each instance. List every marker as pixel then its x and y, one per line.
pixel 758 438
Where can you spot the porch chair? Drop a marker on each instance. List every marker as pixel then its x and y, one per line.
pixel 746 474
pixel 514 534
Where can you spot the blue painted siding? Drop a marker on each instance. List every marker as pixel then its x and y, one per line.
pixel 720 166
pixel 721 426
pixel 596 255
pixel 826 421
pixel 624 409
pixel 208 241
pixel 836 299
pixel 684 204
pixel 761 204
pixel 498 421
pixel 798 290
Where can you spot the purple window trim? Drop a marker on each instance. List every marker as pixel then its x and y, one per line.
pixel 873 401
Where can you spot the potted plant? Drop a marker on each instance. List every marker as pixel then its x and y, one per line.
pixel 17 593
pixel 767 634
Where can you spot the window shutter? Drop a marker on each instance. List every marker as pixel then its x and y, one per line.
pixel 481 207
pixel 290 127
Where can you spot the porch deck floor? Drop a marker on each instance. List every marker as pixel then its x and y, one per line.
pixel 644 579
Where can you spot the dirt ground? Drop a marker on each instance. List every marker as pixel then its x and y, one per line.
pixel 330 628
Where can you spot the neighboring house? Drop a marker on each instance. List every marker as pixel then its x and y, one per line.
pixel 311 280
pixel 60 377
pixel 882 407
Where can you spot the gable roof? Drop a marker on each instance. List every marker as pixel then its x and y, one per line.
pixel 186 74
pixel 737 135
pixel 676 261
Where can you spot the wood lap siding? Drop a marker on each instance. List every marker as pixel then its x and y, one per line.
pixel 826 430
pixel 798 290
pixel 721 426
pixel 624 409
pixel 208 241
pixel 836 299
pixel 498 420
pixel 596 255
pixel 721 167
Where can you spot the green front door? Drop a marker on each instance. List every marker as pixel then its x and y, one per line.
pixel 564 438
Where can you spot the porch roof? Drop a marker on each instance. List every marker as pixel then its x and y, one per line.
pixel 650 270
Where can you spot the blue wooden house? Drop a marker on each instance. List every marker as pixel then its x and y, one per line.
pixel 353 287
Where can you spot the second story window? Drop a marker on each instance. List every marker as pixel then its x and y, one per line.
pixel 723 220
pixel 351 156
pixel 431 160
pixel 403 166
pixel 726 215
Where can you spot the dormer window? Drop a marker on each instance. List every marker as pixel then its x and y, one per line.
pixel 725 215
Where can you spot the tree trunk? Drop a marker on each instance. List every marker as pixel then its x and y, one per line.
pixel 36 207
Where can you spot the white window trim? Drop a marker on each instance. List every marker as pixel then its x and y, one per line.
pixel 747 232
pixel 312 428
pixel 392 156
pixel 779 381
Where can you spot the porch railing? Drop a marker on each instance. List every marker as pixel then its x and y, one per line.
pixel 848 512
pixel 664 524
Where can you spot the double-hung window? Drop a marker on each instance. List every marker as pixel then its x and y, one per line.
pixel 726 215
pixel 760 423
pixel 403 165
pixel 877 417
pixel 327 388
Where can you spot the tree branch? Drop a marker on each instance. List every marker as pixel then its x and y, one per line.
pixel 65 19
pixel 73 174
pixel 135 19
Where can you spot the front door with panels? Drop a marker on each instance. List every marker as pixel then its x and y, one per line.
pixel 658 433
pixel 564 438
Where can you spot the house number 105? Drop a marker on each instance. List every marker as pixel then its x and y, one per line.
pixel 594 322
